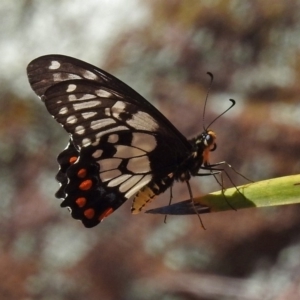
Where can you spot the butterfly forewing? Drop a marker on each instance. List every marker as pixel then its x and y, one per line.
pixel 88 112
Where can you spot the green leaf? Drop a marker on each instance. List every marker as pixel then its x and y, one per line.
pixel 272 192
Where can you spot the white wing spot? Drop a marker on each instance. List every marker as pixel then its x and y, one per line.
pixel 119 105
pixel 86 142
pixel 143 141
pixel 143 121
pixel 139 164
pixel 71 120
pixel 107 111
pixel 87 115
pixel 62 77
pixel 84 105
pixel 54 65
pixel 128 184
pixel 127 151
pixel 71 88
pixel 138 186
pixel 80 130
pixel 98 124
pixel 119 180
pixel 90 75
pixel 99 134
pixel 109 164
pixel 63 111
pixel 118 108
pixel 105 176
pixel 87 97
pixel 113 138
pixel 103 93
pixel 73 97
pixel 97 153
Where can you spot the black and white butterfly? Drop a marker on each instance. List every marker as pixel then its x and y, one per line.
pixel 120 145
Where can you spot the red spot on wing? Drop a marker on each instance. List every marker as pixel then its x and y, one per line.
pixel 73 159
pixel 86 185
pixel 89 213
pixel 81 173
pixel 105 214
pixel 81 201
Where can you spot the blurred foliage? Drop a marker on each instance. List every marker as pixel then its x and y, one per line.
pixel 252 48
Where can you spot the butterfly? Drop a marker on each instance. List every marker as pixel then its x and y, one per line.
pixel 120 145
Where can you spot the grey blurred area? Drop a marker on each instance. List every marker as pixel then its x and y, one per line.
pixel 162 49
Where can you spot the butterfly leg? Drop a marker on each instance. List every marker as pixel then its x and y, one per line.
pixel 212 167
pixel 222 163
pixel 192 199
pixel 170 201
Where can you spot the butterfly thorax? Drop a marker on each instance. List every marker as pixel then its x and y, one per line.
pixel 202 145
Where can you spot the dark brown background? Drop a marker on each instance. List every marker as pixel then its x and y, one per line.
pixel 163 49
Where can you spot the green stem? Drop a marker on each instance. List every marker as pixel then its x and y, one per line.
pixel 272 192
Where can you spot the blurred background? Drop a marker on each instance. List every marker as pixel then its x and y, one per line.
pixel 162 49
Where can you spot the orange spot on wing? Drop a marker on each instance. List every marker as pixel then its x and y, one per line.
pixel 81 173
pixel 72 159
pixel 105 214
pixel 86 185
pixel 89 213
pixel 81 201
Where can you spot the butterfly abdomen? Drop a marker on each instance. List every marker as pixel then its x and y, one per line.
pixel 150 191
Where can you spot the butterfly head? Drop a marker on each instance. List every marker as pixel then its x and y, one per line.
pixel 209 142
pixel 204 144
pixel 208 139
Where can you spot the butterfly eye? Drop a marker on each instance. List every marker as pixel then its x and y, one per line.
pixel 207 139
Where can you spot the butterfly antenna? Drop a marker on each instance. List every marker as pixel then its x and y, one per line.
pixel 209 87
pixel 224 112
